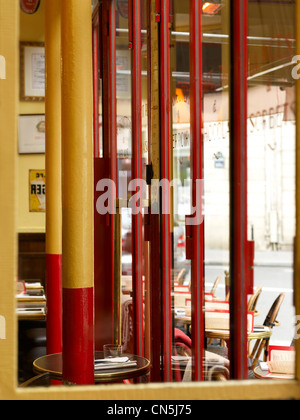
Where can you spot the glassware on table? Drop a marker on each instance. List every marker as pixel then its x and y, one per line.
pixel 112 350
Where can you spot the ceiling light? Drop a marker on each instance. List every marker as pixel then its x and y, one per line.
pixel 211 8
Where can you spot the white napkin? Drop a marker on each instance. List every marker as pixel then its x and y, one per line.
pixel 114 363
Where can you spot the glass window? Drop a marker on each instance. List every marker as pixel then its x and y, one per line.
pixel 271 134
pixel 271 166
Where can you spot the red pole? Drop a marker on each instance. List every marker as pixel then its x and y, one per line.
pixel 137 174
pixel 165 110
pixel 54 319
pixel 154 219
pixel 106 168
pixel 113 147
pixel 197 283
pixel 113 91
pixel 238 182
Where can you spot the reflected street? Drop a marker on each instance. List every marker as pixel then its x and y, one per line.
pixel 275 274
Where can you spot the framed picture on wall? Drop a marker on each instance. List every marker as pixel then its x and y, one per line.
pixel 31 134
pixel 32 71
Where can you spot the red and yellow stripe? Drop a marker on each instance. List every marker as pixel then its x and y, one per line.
pixel 77 193
pixel 53 173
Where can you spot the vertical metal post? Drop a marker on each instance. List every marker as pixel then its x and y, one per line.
pixel 154 218
pixel 96 74
pixel 165 153
pixel 107 246
pixel 113 91
pixel 197 283
pixel 77 193
pixel 238 183
pixel 114 218
pixel 137 174
pixel 53 171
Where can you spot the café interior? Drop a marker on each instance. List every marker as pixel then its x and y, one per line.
pixel 152 245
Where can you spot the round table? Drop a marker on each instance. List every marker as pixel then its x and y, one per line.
pixel 53 364
pixel 260 374
pixel 225 334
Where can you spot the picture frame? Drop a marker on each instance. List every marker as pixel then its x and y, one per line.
pixel 32 71
pixel 32 138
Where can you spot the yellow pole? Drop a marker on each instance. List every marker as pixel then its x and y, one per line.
pixel 53 175
pixel 297 240
pixel 77 192
pixel 9 41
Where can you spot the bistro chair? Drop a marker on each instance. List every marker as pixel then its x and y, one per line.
pixel 252 304
pixel 216 367
pixel 215 286
pixel 43 380
pixel 270 322
pixel 213 293
pixel 178 276
pixel 252 301
pixel 127 325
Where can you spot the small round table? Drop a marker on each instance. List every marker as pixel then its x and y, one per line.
pixel 260 374
pixel 53 364
pixel 225 334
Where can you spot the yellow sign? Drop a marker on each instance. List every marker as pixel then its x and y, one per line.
pixel 37 191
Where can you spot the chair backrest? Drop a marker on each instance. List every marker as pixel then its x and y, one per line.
pixel 273 312
pixel 43 380
pixel 177 274
pixel 254 299
pixel 216 284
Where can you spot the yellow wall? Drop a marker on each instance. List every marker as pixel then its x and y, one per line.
pixel 31 30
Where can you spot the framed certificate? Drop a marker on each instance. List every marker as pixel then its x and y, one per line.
pixel 32 69
pixel 31 134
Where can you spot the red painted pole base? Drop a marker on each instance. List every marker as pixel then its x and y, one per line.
pixel 78 336
pixel 54 303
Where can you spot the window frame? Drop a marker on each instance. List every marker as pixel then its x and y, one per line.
pixel 8 247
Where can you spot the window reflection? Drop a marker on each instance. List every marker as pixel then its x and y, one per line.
pixel 271 171
pixel 271 126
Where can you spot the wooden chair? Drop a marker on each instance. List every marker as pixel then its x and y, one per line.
pixel 178 275
pixel 213 292
pixel 218 373
pixel 215 286
pixel 216 367
pixel 127 326
pixel 252 301
pixel 252 304
pixel 270 321
pixel 43 380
